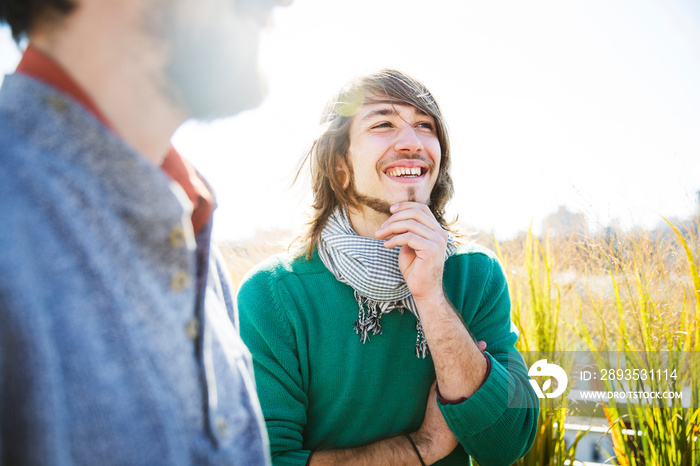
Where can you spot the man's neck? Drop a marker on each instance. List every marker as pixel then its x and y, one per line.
pixel 366 221
pixel 124 81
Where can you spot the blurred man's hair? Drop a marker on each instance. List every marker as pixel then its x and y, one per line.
pixel 21 15
pixel 331 147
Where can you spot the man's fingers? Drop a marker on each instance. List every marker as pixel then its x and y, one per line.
pixel 408 226
pixel 419 212
pixel 410 205
pixel 416 242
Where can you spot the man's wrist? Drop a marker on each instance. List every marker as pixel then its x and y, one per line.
pixel 433 445
pixel 434 300
pixel 445 401
pixel 424 444
pixel 415 448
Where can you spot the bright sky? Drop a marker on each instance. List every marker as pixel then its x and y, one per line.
pixel 591 104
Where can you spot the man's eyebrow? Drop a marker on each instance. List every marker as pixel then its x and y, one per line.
pixel 383 111
pixel 386 111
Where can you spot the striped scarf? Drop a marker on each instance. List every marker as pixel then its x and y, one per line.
pixel 373 272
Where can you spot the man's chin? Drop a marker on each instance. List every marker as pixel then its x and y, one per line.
pixel 215 78
pixel 411 196
pixel 220 93
pixel 233 99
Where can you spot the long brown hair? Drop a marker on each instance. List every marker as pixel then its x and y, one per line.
pixel 325 154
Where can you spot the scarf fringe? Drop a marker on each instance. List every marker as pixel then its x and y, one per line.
pixel 421 343
pixel 368 320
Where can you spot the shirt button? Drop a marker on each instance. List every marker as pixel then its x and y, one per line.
pixel 58 104
pixel 192 328
pixel 177 237
pixel 180 281
pixel 221 427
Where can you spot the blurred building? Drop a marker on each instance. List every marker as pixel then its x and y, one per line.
pixel 564 222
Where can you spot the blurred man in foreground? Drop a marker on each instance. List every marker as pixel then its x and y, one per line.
pixel 117 344
pixel 379 244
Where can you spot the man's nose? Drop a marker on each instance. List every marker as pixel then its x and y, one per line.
pixel 408 140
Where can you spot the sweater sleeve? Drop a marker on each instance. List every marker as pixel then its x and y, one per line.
pixel 266 331
pixel 498 423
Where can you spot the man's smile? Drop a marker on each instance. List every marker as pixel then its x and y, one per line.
pixel 404 170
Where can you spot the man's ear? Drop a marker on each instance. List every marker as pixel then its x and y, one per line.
pixel 343 174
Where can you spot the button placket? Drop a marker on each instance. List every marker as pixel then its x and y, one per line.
pixel 193 328
pixel 177 238
pixel 179 281
pixel 57 103
pixel 222 427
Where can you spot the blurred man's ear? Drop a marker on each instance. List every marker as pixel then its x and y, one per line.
pixel 343 174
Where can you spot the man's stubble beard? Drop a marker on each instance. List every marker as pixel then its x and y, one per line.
pixel 380 205
pixel 212 74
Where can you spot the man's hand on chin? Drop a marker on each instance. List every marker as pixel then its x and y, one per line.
pixel 423 243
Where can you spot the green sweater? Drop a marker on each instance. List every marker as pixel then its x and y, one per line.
pixel 321 388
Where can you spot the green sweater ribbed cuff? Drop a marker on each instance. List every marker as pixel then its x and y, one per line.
pixel 483 408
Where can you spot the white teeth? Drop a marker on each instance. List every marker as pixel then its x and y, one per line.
pixel 403 171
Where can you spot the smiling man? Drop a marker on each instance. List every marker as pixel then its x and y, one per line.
pixel 364 341
pixel 118 338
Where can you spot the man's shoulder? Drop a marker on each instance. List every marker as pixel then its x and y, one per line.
pixel 474 264
pixel 41 132
pixel 25 181
pixel 15 148
pixel 26 106
pixel 474 252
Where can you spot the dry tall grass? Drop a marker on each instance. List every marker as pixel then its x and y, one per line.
pixel 241 256
pixel 636 295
